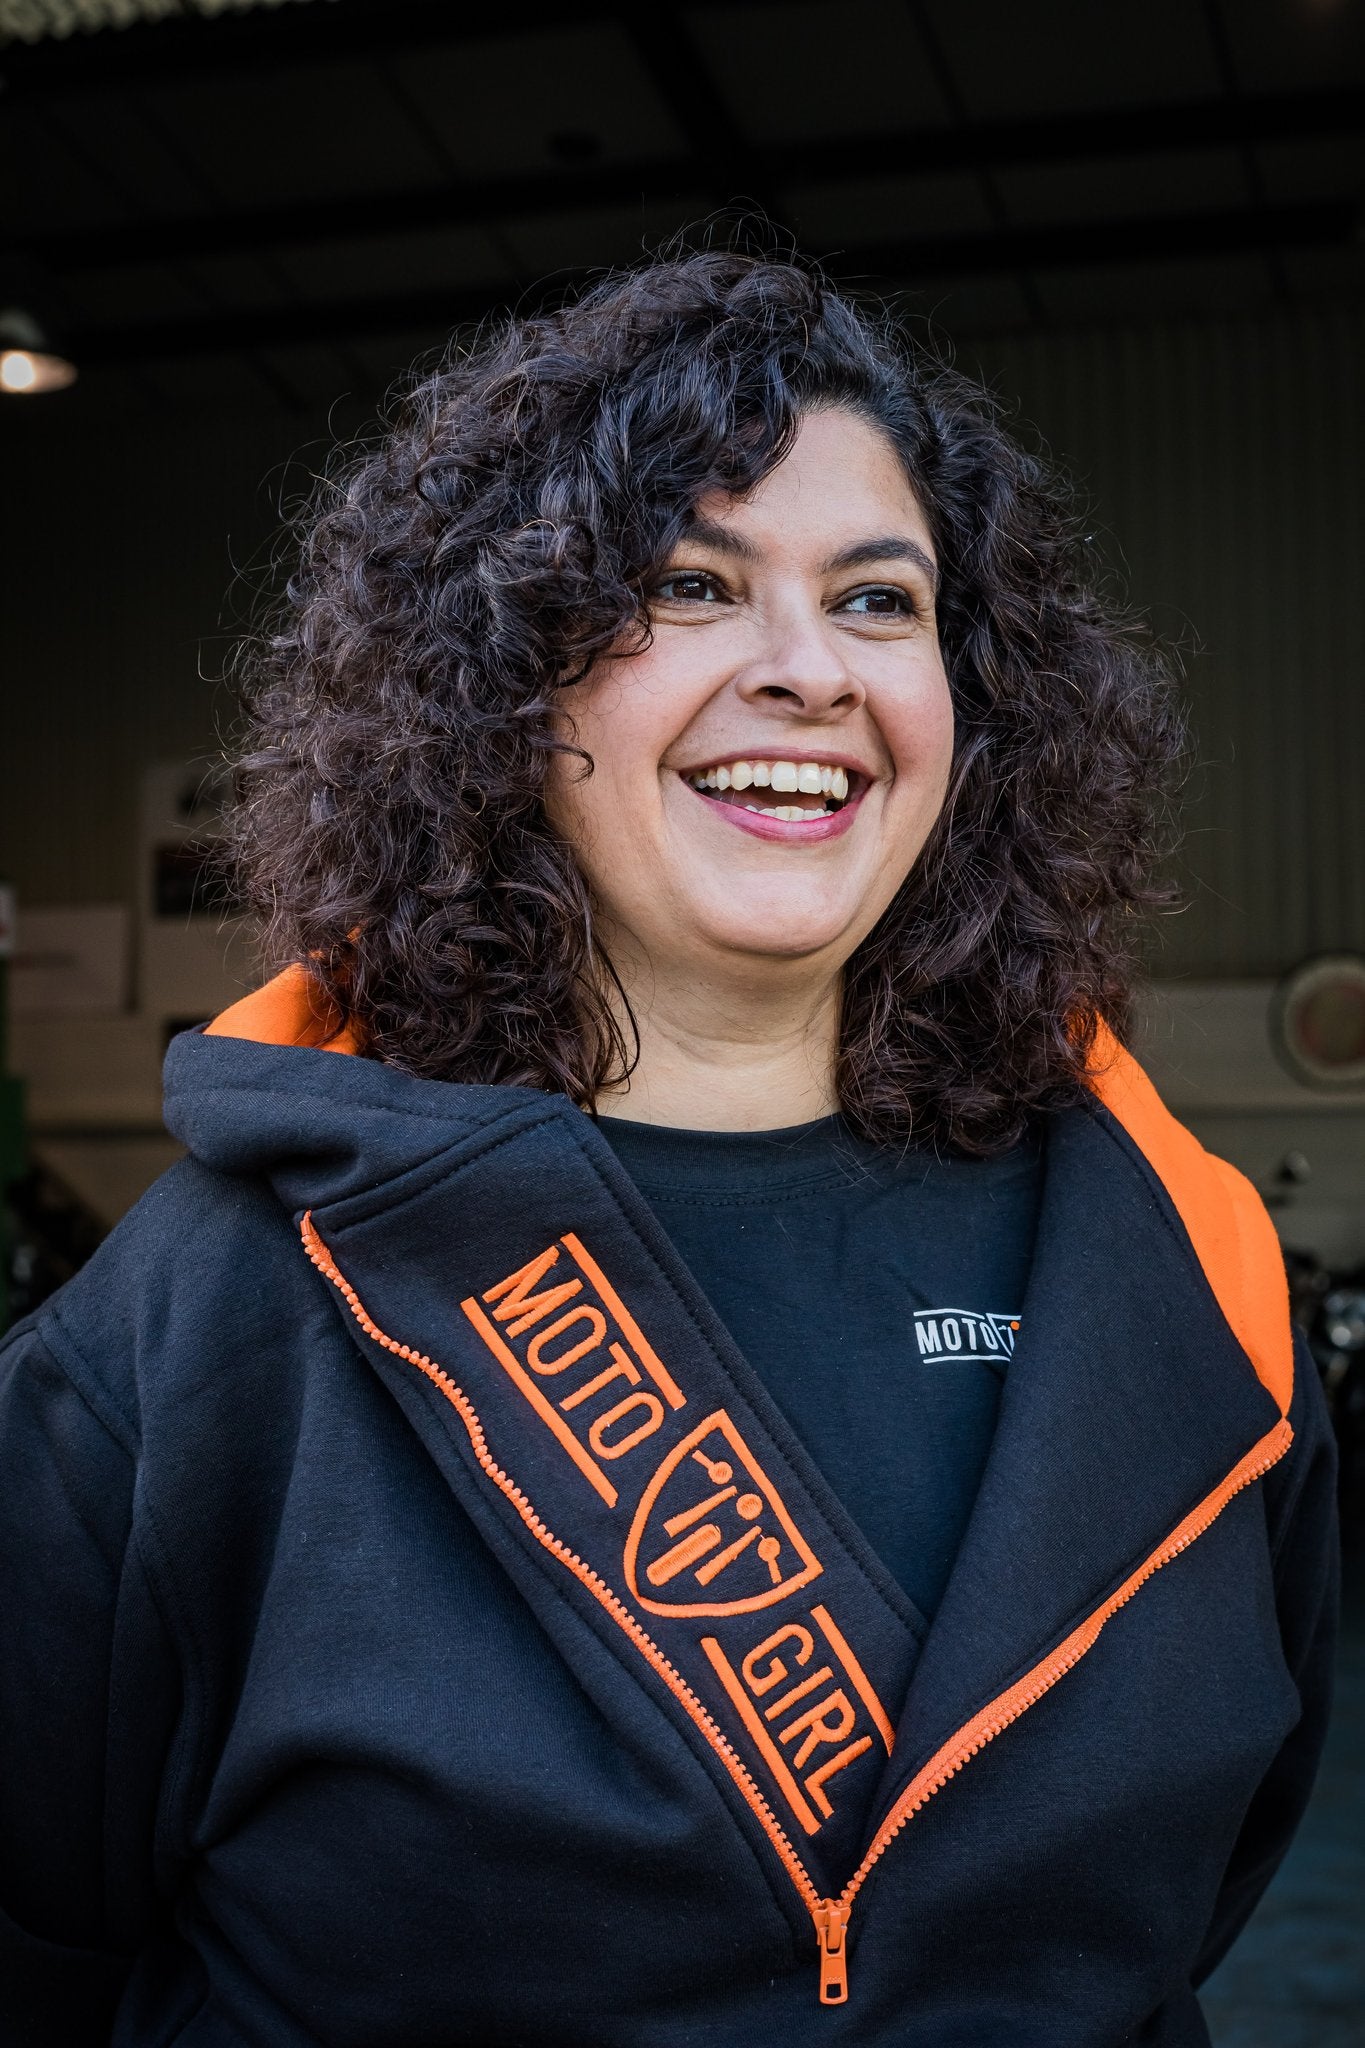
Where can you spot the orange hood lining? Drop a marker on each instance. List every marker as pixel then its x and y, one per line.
pixel 1233 1238
pixel 293 1009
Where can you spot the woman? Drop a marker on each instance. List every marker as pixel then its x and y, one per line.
pixel 688 1571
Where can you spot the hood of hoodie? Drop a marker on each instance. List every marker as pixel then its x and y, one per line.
pixel 268 1088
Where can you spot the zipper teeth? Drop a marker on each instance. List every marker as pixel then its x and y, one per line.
pixel 984 1729
pixel 321 1258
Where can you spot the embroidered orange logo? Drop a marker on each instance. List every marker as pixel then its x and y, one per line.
pixel 711 1534
pixel 572 1370
pixel 803 1731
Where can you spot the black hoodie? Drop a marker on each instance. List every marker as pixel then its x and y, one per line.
pixel 420 1627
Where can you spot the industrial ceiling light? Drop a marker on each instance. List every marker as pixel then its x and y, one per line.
pixel 29 364
pixel 34 21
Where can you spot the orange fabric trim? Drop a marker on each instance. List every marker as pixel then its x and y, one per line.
pixel 290 1010
pixel 1233 1237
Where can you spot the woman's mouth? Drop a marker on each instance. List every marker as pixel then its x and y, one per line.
pixel 793 792
pixel 791 802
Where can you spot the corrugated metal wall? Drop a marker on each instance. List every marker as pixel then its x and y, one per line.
pixel 1226 462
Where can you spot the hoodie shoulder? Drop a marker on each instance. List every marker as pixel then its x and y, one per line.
pixel 205 1277
pixel 318 1125
pixel 200 1255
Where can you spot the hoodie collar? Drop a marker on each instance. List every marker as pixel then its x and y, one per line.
pixel 1228 1232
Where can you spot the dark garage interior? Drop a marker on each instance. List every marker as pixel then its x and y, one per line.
pixel 229 228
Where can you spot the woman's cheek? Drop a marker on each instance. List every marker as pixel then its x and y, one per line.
pixel 918 728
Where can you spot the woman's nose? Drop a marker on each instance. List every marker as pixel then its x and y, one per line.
pixel 802 665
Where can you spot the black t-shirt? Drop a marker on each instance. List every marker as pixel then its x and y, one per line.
pixel 875 1292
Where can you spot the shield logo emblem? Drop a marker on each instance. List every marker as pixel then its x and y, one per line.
pixel 711 1534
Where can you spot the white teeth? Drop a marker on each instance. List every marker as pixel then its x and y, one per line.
pixel 806 778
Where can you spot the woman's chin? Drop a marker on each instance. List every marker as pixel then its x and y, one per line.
pixel 776 932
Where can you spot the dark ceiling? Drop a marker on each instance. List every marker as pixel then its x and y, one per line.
pixel 295 200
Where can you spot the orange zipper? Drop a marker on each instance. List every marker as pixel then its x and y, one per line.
pixel 829 1916
pixel 1018 1698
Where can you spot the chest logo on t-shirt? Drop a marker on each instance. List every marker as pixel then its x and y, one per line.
pixel 965 1335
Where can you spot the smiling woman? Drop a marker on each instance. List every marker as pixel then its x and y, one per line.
pixel 728 1474
pixel 777 666
pixel 711 481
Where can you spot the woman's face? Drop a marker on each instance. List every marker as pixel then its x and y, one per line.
pixel 767 770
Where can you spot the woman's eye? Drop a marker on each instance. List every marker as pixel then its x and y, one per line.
pixel 884 601
pixel 688 586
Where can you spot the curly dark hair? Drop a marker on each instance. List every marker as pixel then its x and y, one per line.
pixel 405 701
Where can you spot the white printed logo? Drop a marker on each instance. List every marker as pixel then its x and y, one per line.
pixel 965 1335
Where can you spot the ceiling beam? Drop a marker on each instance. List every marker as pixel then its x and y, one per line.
pixel 722 158
pixel 695 180
pixel 881 266
pixel 322 32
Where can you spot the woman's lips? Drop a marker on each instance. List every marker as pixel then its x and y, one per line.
pixel 792 831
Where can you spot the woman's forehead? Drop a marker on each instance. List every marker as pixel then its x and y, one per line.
pixel 841 484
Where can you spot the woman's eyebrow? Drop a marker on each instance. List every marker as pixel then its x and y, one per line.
pixel 708 533
pixel 885 547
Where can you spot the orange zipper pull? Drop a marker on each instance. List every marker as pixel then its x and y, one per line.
pixel 831 1925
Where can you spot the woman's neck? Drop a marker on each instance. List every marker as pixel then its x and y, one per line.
pixel 721 1056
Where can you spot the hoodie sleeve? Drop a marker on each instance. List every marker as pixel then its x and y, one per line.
pixel 87 1692
pixel 1306 1561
